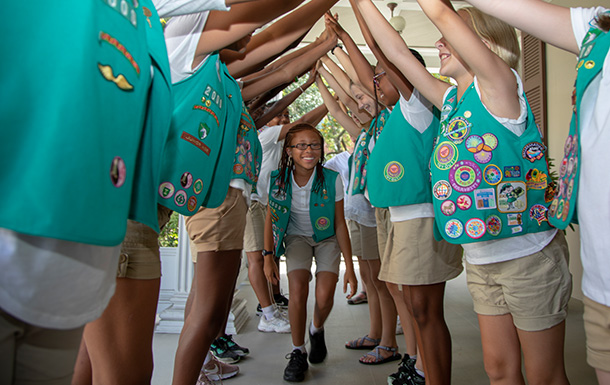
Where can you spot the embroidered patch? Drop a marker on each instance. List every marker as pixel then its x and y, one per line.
pixel 563 168
pixel 126 10
pixel 196 142
pixel 492 174
pixel 533 151
pixel 442 190
pixel 121 48
pixel 322 223
pixel 572 163
pixel 166 190
pixel 119 80
pixel 485 199
pixel 118 171
pixel 206 109
pixel 445 156
pixel 192 204
pixel 560 205
pixel 454 228
pixel 448 207
pixel 494 225
pixel 570 145
pixel 570 189
pixel 475 228
pixel 514 219
pixel 553 207
pixel 511 197
pixel 457 129
pixel 186 180
pixel 549 193
pixel 198 186
pixel 516 229
pixel 483 156
pixel 393 171
pixel 238 169
pixel 204 130
pixel 180 198
pixel 464 202
pixel 538 213
pixel 465 176
pixel 536 180
pixel 512 171
pixel 566 210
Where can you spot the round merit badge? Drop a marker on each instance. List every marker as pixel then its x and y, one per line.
pixel 457 129
pixel 454 228
pixel 494 225
pixel 118 171
pixel 166 190
pixel 441 190
pixel 475 228
pixel 464 202
pixel 180 198
pixel 445 156
pixel 186 180
pixel 533 151
pixel 192 204
pixel 448 207
pixel 322 223
pixel 393 171
pixel 492 174
pixel 198 186
pixel 465 176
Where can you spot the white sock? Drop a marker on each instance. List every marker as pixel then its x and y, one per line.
pixel 268 312
pixel 301 348
pixel 313 330
pixel 208 358
pixel 420 372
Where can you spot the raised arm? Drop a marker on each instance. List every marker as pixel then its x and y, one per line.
pixel 314 116
pixel 345 62
pixel 340 76
pixel 335 109
pixel 396 50
pixel 548 22
pixel 346 98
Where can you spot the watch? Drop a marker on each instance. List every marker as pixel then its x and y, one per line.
pixel 267 252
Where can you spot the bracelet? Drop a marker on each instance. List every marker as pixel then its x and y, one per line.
pixel 267 252
pixel 302 90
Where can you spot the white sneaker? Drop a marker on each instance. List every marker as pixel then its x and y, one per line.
pixel 277 324
pixel 216 370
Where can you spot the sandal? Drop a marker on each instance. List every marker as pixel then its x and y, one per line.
pixel 379 359
pixel 358 299
pixel 358 343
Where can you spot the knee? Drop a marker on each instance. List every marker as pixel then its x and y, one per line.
pixel 499 370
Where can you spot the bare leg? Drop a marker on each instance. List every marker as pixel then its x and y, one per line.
pixel 405 319
pixel 326 282
pixel 256 275
pixel 117 347
pixel 603 377
pixel 543 355
pixel 298 284
pixel 501 350
pixel 216 274
pixel 372 298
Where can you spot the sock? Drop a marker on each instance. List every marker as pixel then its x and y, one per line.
pixel 208 358
pixel 420 372
pixel 268 312
pixel 313 330
pixel 301 348
pixel 414 357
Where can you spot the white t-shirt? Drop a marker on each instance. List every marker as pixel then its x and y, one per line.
pixel 272 153
pixel 481 253
pixel 300 220
pixel 168 8
pixel 594 184
pixel 361 210
pixel 418 112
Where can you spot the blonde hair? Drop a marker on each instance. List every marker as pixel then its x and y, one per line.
pixel 501 37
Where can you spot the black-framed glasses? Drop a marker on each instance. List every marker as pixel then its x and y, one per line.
pixel 303 146
pixel 377 76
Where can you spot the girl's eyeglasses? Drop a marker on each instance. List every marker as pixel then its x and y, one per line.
pixel 377 76
pixel 303 146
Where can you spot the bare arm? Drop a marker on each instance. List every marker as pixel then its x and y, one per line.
pixel 270 268
pixel 345 61
pixel 340 76
pixel 548 22
pixel 335 109
pixel 314 116
pixel 396 50
pixel 346 249
pixel 345 97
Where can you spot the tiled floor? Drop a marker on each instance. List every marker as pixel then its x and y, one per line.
pixel 266 362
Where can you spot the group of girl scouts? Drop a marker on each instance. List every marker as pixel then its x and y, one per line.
pixel 147 123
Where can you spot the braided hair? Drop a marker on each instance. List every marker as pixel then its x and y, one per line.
pixel 286 165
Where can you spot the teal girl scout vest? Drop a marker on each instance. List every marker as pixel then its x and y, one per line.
pixel 249 153
pixel 398 171
pixel 321 209
pixel 361 154
pixel 487 182
pixel 593 52
pixel 200 150
pixel 75 81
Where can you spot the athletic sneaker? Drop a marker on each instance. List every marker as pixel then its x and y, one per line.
pixel 221 351
pixel 277 324
pixel 405 367
pixel 411 379
pixel 234 347
pixel 297 366
pixel 280 301
pixel 318 347
pixel 218 371
pixel 204 380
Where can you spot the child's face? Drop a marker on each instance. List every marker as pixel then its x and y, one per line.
pixel 388 94
pixel 364 101
pixel 307 158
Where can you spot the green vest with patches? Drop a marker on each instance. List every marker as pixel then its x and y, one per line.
pixel 199 153
pixel 249 153
pixel 75 81
pixel 487 183
pixel 593 52
pixel 398 171
pixel 321 209
pixel 361 153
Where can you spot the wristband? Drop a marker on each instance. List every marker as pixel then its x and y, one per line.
pixel 267 252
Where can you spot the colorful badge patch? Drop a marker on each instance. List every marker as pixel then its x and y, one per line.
pixel 120 80
pixel 454 228
pixel 572 163
pixel 482 146
pixel 538 213
pixel 512 171
pixel 494 225
pixel 553 207
pixel 511 197
pixel 464 202
pixel 566 210
pixel 192 204
pixel 441 190
pixel 514 219
pixel 198 186
pixel 549 193
pixel 393 171
pixel 322 223
pixel 118 171
pixel 457 129
pixel 563 167
pixel 465 176
pixel 492 174
pixel 180 198
pixel 238 169
pixel 536 180
pixel 485 199
pixel 569 146
pixel 570 189
pixel 475 228
pixel 448 207
pixel 445 156
pixel 204 130
pixel 166 190
pixel 533 151
pixel 186 180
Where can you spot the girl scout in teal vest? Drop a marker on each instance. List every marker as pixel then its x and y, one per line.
pixel 486 86
pixel 324 235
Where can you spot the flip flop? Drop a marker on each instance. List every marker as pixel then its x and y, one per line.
pixel 379 359
pixel 358 299
pixel 358 343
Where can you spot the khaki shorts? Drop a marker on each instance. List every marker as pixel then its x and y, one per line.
pixel 254 237
pixel 384 226
pixel 363 240
pixel 597 330
pixel 221 228
pixel 413 257
pixel 300 251
pixel 534 289
pixel 140 257
pixel 31 354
